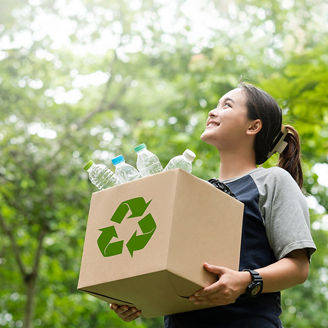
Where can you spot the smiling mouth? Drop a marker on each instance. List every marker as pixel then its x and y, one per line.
pixel 212 124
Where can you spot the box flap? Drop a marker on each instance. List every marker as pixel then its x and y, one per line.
pixel 155 294
pixel 106 298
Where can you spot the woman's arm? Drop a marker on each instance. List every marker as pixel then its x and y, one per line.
pixel 287 272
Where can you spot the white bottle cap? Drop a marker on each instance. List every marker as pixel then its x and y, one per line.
pixel 190 156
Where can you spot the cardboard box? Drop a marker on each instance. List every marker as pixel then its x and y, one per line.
pixel 146 241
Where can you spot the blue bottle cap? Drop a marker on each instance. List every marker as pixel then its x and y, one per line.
pixel 118 160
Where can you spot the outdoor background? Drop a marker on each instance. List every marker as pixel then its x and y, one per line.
pixel 82 79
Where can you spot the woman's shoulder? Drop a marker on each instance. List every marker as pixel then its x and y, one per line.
pixel 274 179
pixel 273 173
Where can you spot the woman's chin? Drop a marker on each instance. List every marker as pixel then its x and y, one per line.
pixel 210 138
pixel 206 137
pixel 203 136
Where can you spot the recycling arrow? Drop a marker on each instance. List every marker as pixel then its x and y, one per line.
pixel 107 248
pixel 137 242
pixel 137 206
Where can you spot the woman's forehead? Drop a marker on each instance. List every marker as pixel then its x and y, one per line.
pixel 234 94
pixel 237 97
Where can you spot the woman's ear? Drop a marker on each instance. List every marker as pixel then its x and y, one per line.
pixel 254 127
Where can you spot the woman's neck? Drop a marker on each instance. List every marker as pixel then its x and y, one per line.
pixel 233 165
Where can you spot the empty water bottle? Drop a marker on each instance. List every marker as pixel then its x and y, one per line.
pixel 147 162
pixel 101 176
pixel 183 161
pixel 124 171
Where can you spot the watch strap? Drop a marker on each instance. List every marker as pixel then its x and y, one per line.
pixel 256 285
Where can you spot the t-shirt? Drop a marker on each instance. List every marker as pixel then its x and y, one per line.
pixel 275 222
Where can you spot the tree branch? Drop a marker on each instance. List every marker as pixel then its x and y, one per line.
pixel 42 234
pixel 14 245
pixel 102 102
pixel 100 108
pixel 102 105
pixel 11 202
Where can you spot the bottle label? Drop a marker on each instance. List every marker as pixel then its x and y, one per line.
pixel 152 169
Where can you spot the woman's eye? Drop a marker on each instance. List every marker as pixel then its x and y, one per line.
pixel 226 105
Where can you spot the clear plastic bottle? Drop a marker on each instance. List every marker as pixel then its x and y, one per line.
pixel 101 176
pixel 147 162
pixel 183 161
pixel 124 171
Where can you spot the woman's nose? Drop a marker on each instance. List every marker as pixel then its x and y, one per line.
pixel 213 112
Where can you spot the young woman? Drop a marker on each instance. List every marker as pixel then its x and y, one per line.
pixel 246 128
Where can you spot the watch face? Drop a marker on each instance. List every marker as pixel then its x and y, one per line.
pixel 256 289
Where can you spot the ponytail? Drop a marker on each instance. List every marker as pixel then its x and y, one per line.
pixel 273 137
pixel 290 157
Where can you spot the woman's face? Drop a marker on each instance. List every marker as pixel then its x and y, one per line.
pixel 227 124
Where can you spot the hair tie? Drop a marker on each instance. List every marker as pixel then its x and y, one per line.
pixel 279 143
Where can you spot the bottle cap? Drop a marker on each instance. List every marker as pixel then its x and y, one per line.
pixel 118 160
pixel 87 166
pixel 190 155
pixel 140 147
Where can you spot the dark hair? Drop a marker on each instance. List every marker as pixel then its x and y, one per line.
pixel 290 158
pixel 260 105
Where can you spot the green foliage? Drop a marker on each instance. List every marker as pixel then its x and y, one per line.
pixel 95 96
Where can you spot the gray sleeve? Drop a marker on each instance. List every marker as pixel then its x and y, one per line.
pixel 285 213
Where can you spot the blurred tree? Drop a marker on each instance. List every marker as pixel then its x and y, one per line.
pixel 91 79
pixel 301 90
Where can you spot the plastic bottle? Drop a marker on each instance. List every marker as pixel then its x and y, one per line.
pixel 101 176
pixel 183 161
pixel 124 171
pixel 147 162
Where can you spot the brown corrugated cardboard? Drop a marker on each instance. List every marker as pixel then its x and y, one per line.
pixel 164 228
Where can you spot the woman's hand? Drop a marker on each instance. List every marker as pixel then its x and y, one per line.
pixel 230 285
pixel 125 312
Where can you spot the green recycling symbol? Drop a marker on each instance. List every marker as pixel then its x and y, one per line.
pixel 137 207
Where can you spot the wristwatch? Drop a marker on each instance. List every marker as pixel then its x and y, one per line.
pixel 256 286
